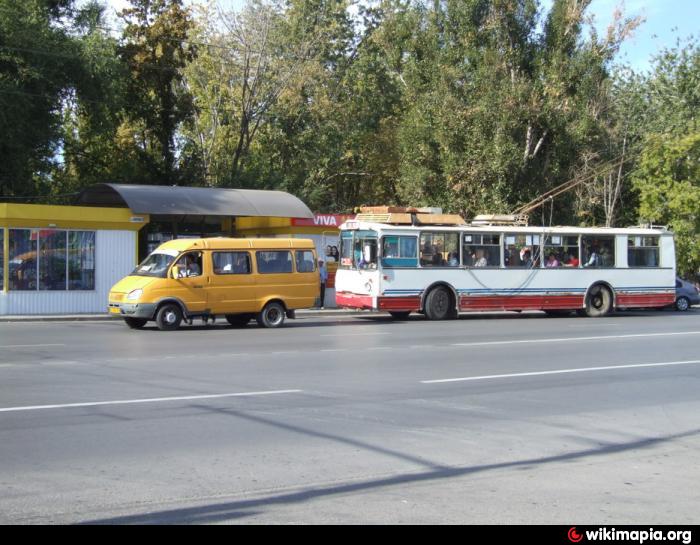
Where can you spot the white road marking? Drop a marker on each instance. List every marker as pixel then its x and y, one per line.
pixel 353 334
pixel 570 339
pixel 563 371
pixel 29 345
pixel 151 400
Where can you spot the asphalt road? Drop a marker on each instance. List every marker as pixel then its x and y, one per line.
pixel 494 418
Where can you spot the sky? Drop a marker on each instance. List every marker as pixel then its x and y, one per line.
pixel 665 22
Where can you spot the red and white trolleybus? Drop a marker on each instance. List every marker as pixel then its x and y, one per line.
pixel 440 269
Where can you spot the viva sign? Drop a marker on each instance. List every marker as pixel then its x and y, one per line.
pixel 321 220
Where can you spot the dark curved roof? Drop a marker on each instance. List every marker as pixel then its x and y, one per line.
pixel 195 201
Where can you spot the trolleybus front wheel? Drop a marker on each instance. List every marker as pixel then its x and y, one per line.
pixel 438 304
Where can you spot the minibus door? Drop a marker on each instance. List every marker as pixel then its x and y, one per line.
pixel 231 287
pixel 191 282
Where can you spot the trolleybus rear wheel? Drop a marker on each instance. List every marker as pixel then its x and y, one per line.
pixel 599 302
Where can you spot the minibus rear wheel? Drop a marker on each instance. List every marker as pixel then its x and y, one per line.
pixel 169 317
pixel 272 315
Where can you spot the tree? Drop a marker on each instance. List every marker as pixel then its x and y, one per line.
pixel 668 182
pixel 39 69
pixel 94 114
pixel 156 50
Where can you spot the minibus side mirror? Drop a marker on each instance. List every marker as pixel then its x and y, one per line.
pixel 175 271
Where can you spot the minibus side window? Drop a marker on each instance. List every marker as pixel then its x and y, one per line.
pixel 190 264
pixel 305 261
pixel 274 262
pixel 231 263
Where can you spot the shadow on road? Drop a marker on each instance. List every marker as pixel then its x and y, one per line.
pixel 235 510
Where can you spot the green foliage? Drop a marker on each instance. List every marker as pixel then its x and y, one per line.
pixel 668 181
pixel 39 65
pixel 471 105
pixel 156 51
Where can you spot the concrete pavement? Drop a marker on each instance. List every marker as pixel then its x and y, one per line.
pixel 358 419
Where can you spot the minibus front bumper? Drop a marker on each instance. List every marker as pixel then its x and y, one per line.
pixel 133 310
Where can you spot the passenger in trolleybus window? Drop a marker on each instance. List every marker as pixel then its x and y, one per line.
pixel 552 261
pixel 572 261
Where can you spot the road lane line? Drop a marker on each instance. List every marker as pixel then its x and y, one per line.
pixel 150 400
pixel 353 334
pixel 570 339
pixel 563 371
pixel 29 345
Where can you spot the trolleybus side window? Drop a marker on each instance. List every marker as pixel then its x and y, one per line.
pixel 561 251
pixel 398 251
pixel 643 251
pixel 521 250
pixel 439 249
pixel 358 250
pixel 598 251
pixel 481 250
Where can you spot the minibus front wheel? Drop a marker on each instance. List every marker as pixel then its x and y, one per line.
pixel 272 315
pixel 135 323
pixel 169 317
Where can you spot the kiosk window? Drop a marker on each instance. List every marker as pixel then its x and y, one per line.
pixel 22 259
pixel 52 260
pixel 81 260
pixel 2 259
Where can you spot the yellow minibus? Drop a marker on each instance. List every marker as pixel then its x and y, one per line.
pixel 238 278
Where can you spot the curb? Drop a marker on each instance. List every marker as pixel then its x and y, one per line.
pixel 310 313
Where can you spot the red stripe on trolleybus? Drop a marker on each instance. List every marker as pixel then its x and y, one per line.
pixel 352 300
pixel 520 302
pixel 399 303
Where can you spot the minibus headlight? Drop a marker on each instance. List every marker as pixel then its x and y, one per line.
pixel 134 295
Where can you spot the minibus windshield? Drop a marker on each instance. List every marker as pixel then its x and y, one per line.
pixel 156 264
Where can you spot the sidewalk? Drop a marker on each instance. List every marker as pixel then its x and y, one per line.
pixel 306 313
